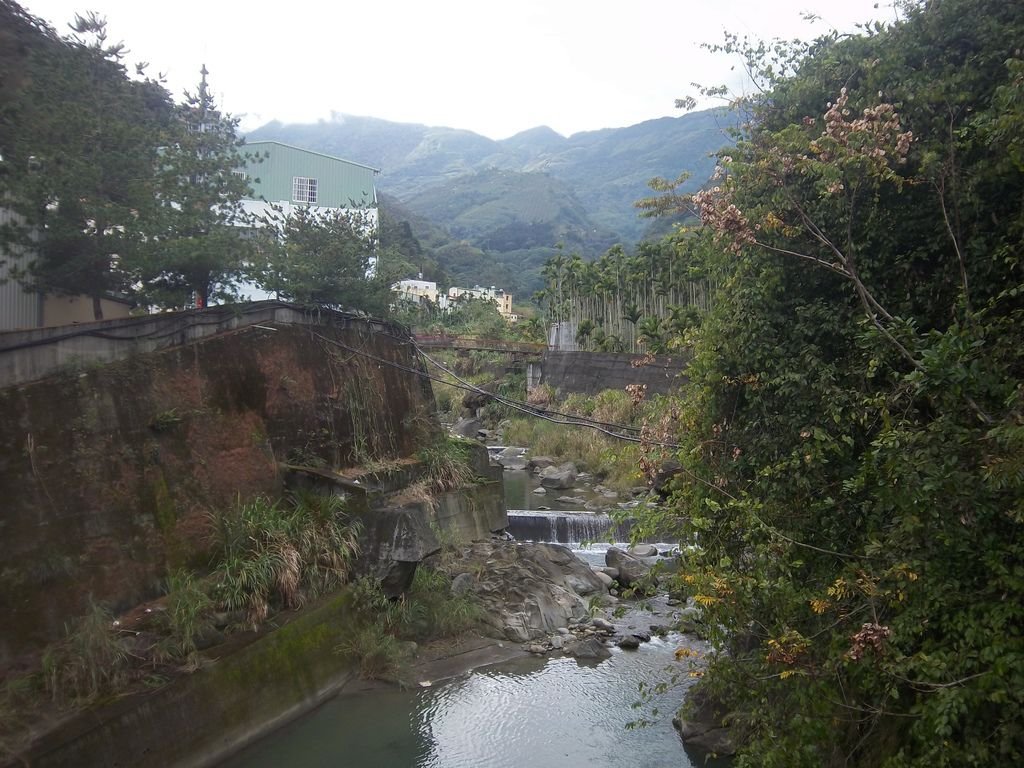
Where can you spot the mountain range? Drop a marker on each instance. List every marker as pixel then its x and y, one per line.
pixel 504 205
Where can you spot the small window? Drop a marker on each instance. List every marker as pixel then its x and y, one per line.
pixel 241 174
pixel 304 190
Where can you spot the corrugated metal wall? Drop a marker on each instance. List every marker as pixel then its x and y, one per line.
pixel 340 182
pixel 18 308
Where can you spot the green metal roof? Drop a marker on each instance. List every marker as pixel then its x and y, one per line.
pixel 272 166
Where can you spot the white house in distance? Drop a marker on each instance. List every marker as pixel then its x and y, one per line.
pixel 502 300
pixel 420 290
pixel 285 177
pixel 417 290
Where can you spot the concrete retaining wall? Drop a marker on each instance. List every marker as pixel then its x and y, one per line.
pixel 108 474
pixel 587 373
pixel 199 719
pixel 33 354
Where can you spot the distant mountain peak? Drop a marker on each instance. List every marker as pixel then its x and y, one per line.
pixel 539 132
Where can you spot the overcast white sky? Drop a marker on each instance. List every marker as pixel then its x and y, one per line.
pixel 496 67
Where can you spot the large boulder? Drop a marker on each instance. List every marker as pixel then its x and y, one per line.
pixel 538 463
pixel 511 458
pixel 643 550
pixel 467 427
pixel 631 569
pixel 701 724
pixel 474 400
pixel 393 543
pixel 588 648
pixel 664 481
pixel 528 591
pixel 561 477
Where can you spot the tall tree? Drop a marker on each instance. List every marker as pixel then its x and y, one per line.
pixel 79 143
pixel 196 253
pixel 853 443
pixel 326 257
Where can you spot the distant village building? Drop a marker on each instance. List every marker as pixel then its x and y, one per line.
pixel 502 300
pixel 417 291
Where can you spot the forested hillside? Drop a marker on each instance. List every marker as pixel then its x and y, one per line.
pixel 514 200
pixel 852 439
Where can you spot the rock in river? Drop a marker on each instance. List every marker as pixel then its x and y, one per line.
pixel 631 569
pixel 560 477
pixel 528 591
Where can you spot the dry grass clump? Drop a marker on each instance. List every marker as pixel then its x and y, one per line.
pixel 273 554
pixel 446 464
pixel 615 462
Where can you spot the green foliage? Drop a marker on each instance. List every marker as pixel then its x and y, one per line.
pixel 79 141
pixel 376 652
pixel 630 302
pixel 187 610
pixel 852 431
pixel 468 316
pixel 323 257
pixel 617 463
pixel 115 189
pixel 90 662
pixel 427 611
pixel 196 253
pixel 446 464
pixel 271 554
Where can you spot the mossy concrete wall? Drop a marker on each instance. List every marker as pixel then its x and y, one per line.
pixel 198 719
pixel 108 475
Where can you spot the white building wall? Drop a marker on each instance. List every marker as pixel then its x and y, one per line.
pixel 262 208
pixel 249 291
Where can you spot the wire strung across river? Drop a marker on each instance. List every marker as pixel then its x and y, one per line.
pixel 518 405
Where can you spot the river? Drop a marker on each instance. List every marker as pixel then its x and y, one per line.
pixel 542 712
pixel 529 712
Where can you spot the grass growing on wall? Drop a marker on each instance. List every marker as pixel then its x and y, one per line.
pixel 446 464
pixel 274 555
pixel 267 556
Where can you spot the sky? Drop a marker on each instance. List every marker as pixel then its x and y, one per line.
pixel 495 67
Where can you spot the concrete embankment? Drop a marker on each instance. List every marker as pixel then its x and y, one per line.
pixel 109 472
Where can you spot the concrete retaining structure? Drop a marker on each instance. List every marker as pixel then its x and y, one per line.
pixel 587 373
pixel 198 719
pixel 109 473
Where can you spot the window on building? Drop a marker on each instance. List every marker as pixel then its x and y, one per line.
pixel 240 174
pixel 303 189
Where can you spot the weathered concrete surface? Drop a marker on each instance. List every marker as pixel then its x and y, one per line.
pixel 198 719
pixel 29 355
pixel 109 474
pixel 588 373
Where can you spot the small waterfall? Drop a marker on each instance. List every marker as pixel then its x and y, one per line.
pixel 571 528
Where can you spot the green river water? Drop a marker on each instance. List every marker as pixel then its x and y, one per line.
pixel 539 712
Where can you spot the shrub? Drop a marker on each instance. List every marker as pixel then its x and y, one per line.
pixel 274 554
pixel 446 464
pixel 187 609
pixel 89 662
pixel 373 649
